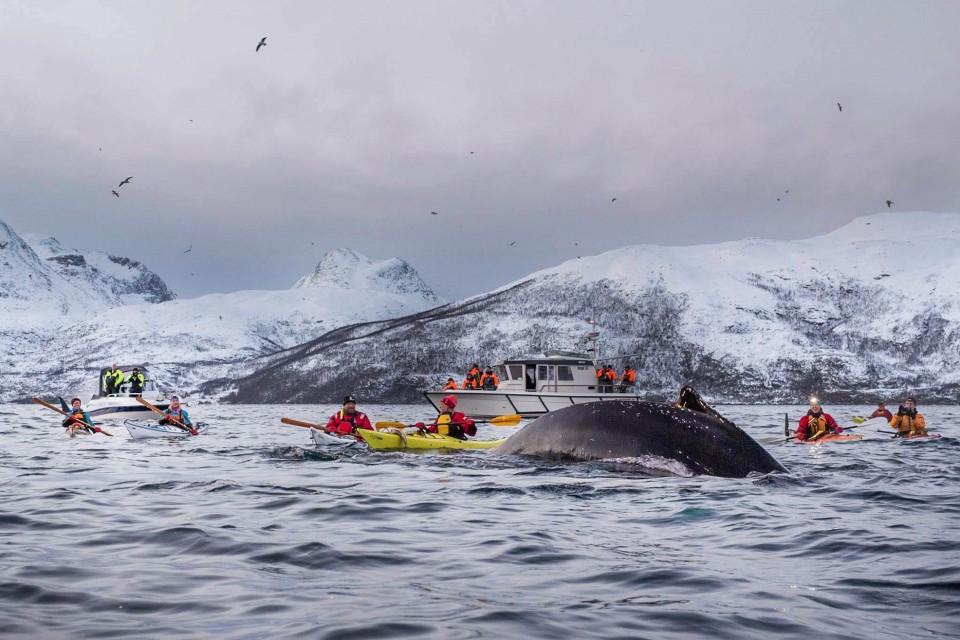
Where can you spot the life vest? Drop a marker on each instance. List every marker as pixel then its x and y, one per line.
pixel 906 423
pixel 344 424
pixel 629 377
pixel 489 383
pixel 455 426
pixel 610 376
pixel 450 386
pixel 815 426
pixel 136 381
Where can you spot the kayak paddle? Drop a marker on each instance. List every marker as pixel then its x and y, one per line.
pixel 301 423
pixel 173 420
pixel 90 427
pixel 499 421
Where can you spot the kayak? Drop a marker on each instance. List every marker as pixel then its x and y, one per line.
pixel 928 436
pixel 140 430
pixel 422 441
pixel 323 438
pixel 834 437
pixel 73 432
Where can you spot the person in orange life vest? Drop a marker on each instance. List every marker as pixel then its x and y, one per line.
pixel 909 422
pixel 816 423
pixel 450 422
pixel 602 379
pixel 474 376
pixel 79 419
pixel 450 386
pixel 882 412
pixel 348 419
pixel 489 381
pixel 628 379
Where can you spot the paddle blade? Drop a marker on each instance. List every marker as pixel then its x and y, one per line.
pixel 300 423
pixel 506 421
pixel 63 404
pixel 389 424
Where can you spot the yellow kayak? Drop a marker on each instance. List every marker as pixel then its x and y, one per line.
pixel 422 441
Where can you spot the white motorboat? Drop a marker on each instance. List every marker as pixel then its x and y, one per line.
pixel 122 403
pixel 535 386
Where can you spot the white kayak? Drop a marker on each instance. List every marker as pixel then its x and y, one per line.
pixel 139 430
pixel 323 439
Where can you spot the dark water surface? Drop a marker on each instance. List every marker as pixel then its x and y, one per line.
pixel 248 532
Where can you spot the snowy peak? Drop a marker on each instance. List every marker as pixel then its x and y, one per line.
pixel 23 275
pixel 348 269
pixel 114 279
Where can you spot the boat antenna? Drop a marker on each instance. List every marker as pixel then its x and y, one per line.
pixel 594 338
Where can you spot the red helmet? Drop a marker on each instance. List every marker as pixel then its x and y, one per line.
pixel 450 401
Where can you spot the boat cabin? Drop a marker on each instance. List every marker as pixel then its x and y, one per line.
pixel 149 384
pixel 556 372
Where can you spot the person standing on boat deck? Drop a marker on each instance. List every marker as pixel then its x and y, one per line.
pixel 450 386
pixel 882 412
pixel 136 381
pixel 112 380
pixel 348 419
pixel 451 422
pixel 472 381
pixel 175 413
pixel 816 423
pixel 79 419
pixel 908 421
pixel 628 379
pixel 489 381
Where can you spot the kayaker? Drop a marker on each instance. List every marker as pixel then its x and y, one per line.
pixel 881 412
pixel 450 386
pixel 112 380
pixel 175 413
pixel 79 418
pixel 348 419
pixel 909 421
pixel 136 381
pixel 816 423
pixel 451 422
pixel 628 379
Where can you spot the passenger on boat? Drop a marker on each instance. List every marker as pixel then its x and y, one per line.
pixel 348 419
pixel 472 381
pixel 628 379
pixel 605 378
pixel 136 381
pixel 450 386
pixel 175 413
pixel 79 419
pixel 816 423
pixel 451 422
pixel 112 380
pixel 489 381
pixel 882 412
pixel 908 421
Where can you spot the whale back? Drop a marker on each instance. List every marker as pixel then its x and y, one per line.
pixel 622 429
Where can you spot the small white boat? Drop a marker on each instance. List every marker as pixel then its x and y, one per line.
pixel 140 430
pixel 123 403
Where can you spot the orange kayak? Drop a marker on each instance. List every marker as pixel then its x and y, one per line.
pixel 834 437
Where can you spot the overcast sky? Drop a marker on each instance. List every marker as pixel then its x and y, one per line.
pixel 359 118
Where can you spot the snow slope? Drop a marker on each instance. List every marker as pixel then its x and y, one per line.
pixel 869 309
pixel 64 314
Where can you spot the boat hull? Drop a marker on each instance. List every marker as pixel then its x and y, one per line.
pixel 121 407
pixel 487 404
pixel 141 430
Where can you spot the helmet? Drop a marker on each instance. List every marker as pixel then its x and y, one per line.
pixel 72 400
pixel 450 401
pixel 349 398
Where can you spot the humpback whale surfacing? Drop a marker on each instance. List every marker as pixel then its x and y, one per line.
pixel 689 433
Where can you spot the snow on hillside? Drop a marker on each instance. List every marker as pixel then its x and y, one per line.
pixel 55 332
pixel 872 306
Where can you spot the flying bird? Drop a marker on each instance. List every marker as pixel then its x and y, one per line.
pixel 262 43
pixel 188 251
pixel 125 181
pixel 613 199
pixel 787 191
pixel 513 243
pixel 778 199
pixel 100 148
pixel 434 213
pixel 840 106
pixel 889 203
pixel 471 153
pixel 114 192
pixel 3 245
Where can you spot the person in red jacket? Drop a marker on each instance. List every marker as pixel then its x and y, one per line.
pixel 450 422
pixel 882 412
pixel 348 419
pixel 816 423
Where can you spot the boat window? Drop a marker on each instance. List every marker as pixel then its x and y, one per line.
pixel 545 373
pixel 501 372
pixel 564 373
pixel 516 371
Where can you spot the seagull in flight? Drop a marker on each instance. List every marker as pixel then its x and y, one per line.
pixel 840 107
pixel 125 181
pixel 889 203
pixel 613 199
pixel 114 192
pixel 434 213
pixel 262 43
pixel 513 243
pixel 188 251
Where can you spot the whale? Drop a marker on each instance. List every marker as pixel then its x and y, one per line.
pixel 686 438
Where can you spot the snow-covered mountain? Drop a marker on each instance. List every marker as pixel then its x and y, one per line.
pixel 869 310
pixel 55 333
